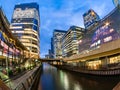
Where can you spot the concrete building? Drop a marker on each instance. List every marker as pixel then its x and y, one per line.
pixel 70 41
pixel 25 26
pixel 57 36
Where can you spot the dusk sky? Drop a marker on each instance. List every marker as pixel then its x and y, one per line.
pixel 59 14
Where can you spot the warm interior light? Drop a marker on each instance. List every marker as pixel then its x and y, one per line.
pixel 107 23
pixel 92 13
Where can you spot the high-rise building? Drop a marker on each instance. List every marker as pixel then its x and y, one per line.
pixel 107 30
pixel 70 41
pixel 57 36
pixel 91 19
pixel 116 2
pixel 52 48
pixel 25 26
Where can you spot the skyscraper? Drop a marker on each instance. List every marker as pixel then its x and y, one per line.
pixel 52 48
pixel 57 36
pixel 70 41
pixel 91 19
pixel 25 26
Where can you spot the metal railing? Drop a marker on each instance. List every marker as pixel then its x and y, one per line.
pixel 115 71
pixel 30 82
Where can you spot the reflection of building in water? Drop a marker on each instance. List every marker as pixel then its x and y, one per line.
pixel 64 80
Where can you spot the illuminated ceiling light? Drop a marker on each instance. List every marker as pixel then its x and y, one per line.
pixel 92 13
pixel 107 23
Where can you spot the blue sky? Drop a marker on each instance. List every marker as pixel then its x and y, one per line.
pixel 59 14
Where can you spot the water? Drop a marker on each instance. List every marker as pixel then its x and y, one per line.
pixel 55 79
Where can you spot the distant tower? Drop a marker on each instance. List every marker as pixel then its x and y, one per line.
pixel 116 2
pixel 57 36
pixel 25 26
pixel 91 18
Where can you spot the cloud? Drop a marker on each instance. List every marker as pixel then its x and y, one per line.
pixel 70 13
pixel 60 14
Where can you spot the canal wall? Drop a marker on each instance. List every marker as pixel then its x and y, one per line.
pixel 106 72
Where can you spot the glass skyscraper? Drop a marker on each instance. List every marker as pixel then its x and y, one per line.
pixel 57 36
pixel 25 26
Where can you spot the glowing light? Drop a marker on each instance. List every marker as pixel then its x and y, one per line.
pixel 92 13
pixel 77 87
pixel 107 23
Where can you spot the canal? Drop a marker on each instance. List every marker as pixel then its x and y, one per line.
pixel 55 79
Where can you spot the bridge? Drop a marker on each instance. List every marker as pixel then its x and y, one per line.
pixel 54 61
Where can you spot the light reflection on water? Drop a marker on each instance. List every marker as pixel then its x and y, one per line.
pixel 54 79
pixel 64 80
pixel 77 87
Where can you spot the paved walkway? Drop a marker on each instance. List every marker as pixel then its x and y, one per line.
pixel 117 87
pixel 15 83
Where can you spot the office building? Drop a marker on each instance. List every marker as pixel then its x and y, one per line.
pixel 91 19
pixel 101 42
pixel 52 48
pixel 25 25
pixel 57 36
pixel 70 41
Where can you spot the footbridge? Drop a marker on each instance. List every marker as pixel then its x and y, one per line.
pixel 54 61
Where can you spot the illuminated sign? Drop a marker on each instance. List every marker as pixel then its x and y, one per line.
pixel 29 13
pixel 103 34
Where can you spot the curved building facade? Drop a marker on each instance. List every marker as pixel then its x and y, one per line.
pixel 25 26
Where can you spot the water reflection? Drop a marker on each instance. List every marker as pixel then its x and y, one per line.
pixel 64 80
pixel 54 79
pixel 77 87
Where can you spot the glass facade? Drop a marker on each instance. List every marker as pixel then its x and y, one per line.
pixel 57 36
pixel 25 25
pixel 70 41
pixel 90 18
pixel 107 30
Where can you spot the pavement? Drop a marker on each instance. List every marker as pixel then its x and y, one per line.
pixel 14 83
pixel 117 87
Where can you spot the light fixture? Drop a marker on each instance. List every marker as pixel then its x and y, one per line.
pixel 107 23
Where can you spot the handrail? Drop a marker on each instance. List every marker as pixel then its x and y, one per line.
pixel 29 79
pixel 28 83
pixel 102 72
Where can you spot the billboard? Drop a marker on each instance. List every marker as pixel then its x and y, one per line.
pixel 104 33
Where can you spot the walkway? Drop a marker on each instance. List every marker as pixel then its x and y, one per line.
pixel 13 84
pixel 117 87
